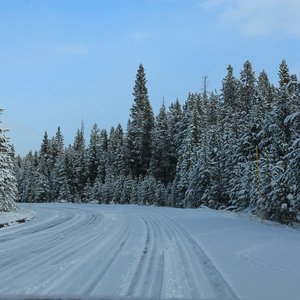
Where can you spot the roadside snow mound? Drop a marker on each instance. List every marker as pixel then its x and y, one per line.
pixel 19 216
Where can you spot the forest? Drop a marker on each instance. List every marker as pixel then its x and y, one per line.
pixel 237 149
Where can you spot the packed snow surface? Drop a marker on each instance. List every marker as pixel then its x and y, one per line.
pixel 150 252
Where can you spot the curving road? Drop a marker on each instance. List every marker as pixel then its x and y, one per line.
pixel 93 250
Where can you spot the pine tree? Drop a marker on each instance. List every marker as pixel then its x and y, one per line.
pixel 277 138
pixel 247 87
pixel 115 153
pixel 8 187
pixel 102 168
pixel 56 146
pixel 129 192
pixel 292 174
pixel 265 94
pixel 26 174
pixel 230 130
pixel 191 125
pixel 139 138
pixel 174 119
pixel 161 160
pixel 118 184
pixel 93 154
pixel 43 189
pixel 230 89
pixel 56 163
pixel 284 74
pixel 79 163
pixel 202 173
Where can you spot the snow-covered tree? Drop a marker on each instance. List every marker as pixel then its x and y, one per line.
pixel 139 138
pixel 8 184
pixel 93 154
pixel 161 160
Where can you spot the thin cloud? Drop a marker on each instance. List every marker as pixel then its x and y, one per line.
pixel 259 18
pixel 73 50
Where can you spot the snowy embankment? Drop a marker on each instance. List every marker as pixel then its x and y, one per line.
pixel 12 218
pixel 134 251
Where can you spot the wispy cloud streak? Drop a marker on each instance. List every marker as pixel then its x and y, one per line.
pixel 71 49
pixel 259 18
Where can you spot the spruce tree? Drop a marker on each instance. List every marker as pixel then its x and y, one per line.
pixel 247 87
pixel 161 159
pixel 103 152
pixel 116 152
pixel 79 163
pixel 43 191
pixel 174 118
pixel 139 138
pixel 93 154
pixel 8 184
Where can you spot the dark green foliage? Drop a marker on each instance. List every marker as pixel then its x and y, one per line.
pixel 162 158
pixel 139 137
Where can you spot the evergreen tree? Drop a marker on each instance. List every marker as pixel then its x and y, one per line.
pixel 161 161
pixel 79 163
pixel 247 87
pixel 8 184
pixel 174 119
pixel 191 125
pixel 116 153
pixel 265 94
pixel 26 175
pixel 139 138
pixel 42 179
pixel 93 154
pixel 56 163
pixel 277 138
pixel 103 150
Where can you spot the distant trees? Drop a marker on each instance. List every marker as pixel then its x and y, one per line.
pixel 211 151
pixel 8 184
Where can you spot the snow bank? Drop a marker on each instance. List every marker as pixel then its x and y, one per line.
pixel 19 216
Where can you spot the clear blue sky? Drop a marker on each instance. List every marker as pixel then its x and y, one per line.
pixel 64 61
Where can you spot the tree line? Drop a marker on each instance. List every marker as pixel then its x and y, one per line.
pixel 239 149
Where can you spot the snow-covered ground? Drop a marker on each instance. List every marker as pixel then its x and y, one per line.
pixel 97 250
pixel 12 218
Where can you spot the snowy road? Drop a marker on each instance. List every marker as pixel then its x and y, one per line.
pixel 95 250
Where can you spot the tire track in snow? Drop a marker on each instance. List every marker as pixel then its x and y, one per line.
pixel 203 277
pixel 177 283
pixel 80 256
pixel 47 246
pixel 153 282
pixel 66 277
pixel 137 278
pixel 54 253
pixel 110 258
pixel 147 276
pixel 9 260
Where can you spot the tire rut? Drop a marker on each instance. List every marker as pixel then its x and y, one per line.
pixel 199 268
